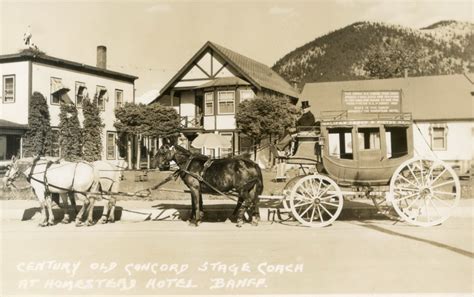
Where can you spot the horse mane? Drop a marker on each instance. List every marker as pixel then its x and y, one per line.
pixel 191 154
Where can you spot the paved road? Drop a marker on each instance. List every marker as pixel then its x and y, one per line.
pixel 218 258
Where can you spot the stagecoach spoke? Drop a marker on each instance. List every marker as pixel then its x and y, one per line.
pixel 426 207
pixel 434 206
pixel 405 197
pixel 439 175
pixel 306 210
pixel 320 214
pixel 312 214
pixel 408 181
pixel 313 189
pixel 301 204
pixel 406 189
pixel 307 193
pixel 413 202
pixel 329 197
pixel 302 197
pixel 413 174
pixel 442 184
pixel 430 174
pixel 332 204
pixel 421 172
pixel 445 193
pixel 331 215
pixel 442 201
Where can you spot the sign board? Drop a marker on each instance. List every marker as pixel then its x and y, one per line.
pixel 371 101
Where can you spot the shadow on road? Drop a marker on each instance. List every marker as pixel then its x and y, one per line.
pixel 431 242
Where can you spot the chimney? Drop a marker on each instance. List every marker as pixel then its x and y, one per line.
pixel 102 57
pixel 406 73
pixel 294 84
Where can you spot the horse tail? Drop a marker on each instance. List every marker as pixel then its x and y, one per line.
pixel 259 183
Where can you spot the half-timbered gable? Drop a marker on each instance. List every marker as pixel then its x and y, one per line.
pixel 207 90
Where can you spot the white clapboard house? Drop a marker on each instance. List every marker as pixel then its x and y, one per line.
pixel 58 80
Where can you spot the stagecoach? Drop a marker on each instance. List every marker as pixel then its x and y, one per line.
pixel 369 155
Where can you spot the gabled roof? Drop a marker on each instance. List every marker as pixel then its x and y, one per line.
pixel 58 62
pixel 258 74
pixel 444 97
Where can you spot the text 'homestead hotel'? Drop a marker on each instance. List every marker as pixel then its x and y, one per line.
pixel 58 81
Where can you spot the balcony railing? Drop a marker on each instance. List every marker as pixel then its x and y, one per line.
pixel 191 122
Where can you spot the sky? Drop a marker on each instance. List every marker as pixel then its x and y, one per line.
pixel 154 39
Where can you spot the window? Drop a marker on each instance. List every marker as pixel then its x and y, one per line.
pixel 56 88
pixel 118 98
pixel 340 143
pixel 369 138
pixel 81 93
pixel 209 104
pixel 226 101
pixel 210 152
pixel 226 152
pixel 102 96
pixel 396 140
pixel 246 95
pixel 55 148
pixel 9 89
pixel 438 137
pixel 110 144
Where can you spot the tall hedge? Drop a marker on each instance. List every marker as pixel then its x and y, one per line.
pixel 38 137
pixel 92 131
pixel 70 138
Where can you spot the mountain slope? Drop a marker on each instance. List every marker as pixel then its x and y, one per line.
pixel 443 48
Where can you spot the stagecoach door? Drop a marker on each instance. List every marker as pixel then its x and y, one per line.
pixel 370 147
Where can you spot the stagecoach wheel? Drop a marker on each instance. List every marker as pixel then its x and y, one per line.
pixel 424 191
pixel 287 191
pixel 316 201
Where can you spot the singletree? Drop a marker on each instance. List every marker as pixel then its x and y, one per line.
pixel 92 131
pixel 70 136
pixel 38 137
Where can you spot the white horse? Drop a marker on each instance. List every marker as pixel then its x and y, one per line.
pixel 110 175
pixel 46 177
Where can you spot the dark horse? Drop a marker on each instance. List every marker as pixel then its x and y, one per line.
pixel 238 174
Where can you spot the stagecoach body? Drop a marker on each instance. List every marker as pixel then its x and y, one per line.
pixel 369 155
pixel 365 150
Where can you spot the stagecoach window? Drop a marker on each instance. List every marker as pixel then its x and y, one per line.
pixel 340 143
pixel 369 138
pixel 396 140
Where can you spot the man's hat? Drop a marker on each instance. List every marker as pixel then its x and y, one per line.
pixel 305 104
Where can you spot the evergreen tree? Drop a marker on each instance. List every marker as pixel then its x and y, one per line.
pixel 70 138
pixel 92 132
pixel 38 137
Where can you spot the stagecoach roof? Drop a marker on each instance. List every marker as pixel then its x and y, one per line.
pixel 446 97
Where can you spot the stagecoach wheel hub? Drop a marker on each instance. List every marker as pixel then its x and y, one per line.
pixel 424 191
pixel 317 201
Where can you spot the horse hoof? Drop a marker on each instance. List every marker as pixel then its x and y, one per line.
pixel 79 224
pixel 103 221
pixel 255 224
pixel 65 222
pixel 89 223
pixel 43 225
pixel 50 224
pixel 111 220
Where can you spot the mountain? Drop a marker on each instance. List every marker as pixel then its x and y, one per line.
pixel 445 47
